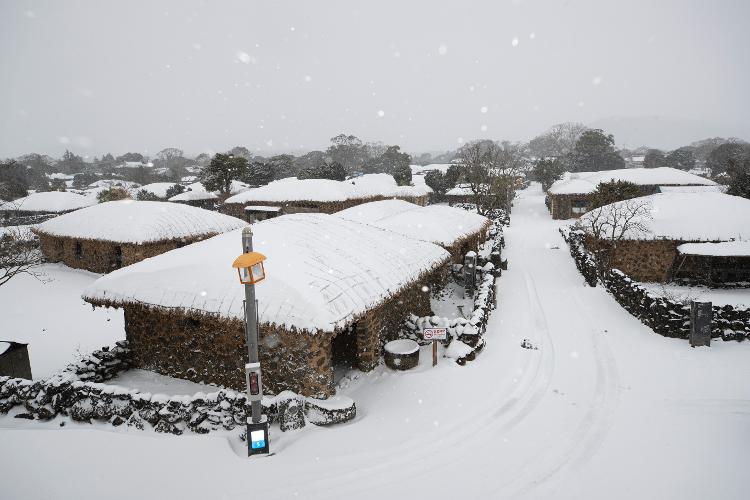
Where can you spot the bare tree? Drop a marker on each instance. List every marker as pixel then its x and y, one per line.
pixel 606 226
pixel 490 170
pixel 19 254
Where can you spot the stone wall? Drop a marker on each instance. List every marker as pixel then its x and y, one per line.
pixel 102 256
pixel 663 316
pixel 77 393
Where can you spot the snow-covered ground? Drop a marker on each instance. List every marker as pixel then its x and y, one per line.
pixel 604 408
pixel 49 314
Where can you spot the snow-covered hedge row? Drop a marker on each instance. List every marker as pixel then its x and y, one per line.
pixel 78 393
pixel 663 316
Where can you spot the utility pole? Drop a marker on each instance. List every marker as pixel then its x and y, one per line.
pixel 257 427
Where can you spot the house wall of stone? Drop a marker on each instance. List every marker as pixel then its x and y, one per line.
pixel 206 348
pixel 561 205
pixel 382 324
pixel 642 260
pixel 102 256
pixel 459 248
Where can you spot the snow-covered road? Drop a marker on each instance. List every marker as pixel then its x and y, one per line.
pixel 604 408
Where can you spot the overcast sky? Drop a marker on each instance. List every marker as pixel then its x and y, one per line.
pixel 97 76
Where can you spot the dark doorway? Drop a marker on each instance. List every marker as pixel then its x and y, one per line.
pixel 343 353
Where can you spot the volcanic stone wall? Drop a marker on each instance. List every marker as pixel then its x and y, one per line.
pixel 78 393
pixel 665 317
pixel 101 256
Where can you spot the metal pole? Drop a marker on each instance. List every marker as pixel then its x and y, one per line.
pixel 251 322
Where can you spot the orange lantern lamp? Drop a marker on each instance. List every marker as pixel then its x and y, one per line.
pixel 250 267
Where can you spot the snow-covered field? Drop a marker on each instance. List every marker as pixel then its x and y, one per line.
pixel 52 318
pixel 604 408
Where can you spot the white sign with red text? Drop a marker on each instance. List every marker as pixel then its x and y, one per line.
pixel 435 333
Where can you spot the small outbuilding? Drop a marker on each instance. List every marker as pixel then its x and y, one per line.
pixel 14 360
pixel 115 234
pixel 713 264
pixel 334 292
pixel 197 198
pixel 454 229
pixel 654 237
pixel 570 197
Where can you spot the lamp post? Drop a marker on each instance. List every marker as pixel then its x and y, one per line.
pixel 250 269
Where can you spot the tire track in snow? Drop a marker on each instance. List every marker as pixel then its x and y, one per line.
pixel 595 424
pixel 408 461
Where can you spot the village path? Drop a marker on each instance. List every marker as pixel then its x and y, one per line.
pixel 602 408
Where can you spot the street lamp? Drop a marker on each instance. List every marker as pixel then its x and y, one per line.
pixel 250 269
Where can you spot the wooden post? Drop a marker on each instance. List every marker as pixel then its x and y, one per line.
pixel 434 352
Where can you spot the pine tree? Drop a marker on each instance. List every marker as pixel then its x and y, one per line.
pixel 222 170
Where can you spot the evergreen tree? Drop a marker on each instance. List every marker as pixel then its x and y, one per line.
pixel 682 158
pixel 547 172
pixel 259 173
pixel 113 194
pixel 613 191
pixel 143 195
pixel 595 151
pixel 175 190
pixel 654 159
pixel 739 178
pixel 222 170
pixel 721 156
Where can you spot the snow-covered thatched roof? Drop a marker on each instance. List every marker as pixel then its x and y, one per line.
pixel 326 190
pixel 684 217
pixel 51 202
pixel 438 224
pixel 130 221
pixel 193 196
pixel 723 249
pixel 322 273
pixel 586 182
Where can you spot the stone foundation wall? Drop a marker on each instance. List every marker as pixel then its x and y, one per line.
pixel 101 256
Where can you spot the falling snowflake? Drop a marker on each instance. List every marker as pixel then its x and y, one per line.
pixel 514 42
pixel 308 78
pixel 483 110
pixel 460 140
pixel 483 128
pixel 532 35
pixel 597 80
pixel 443 49
pixel 245 58
pixel 63 140
pixel 580 104
pixel 381 113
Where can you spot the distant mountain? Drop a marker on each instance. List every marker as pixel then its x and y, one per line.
pixel 659 132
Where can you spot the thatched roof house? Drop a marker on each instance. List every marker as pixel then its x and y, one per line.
pixel 454 229
pixel 333 290
pixel 197 198
pixel 50 202
pixel 569 197
pixel 111 235
pixel 652 245
pixel 325 195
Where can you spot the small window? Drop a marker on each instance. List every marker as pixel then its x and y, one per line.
pixel 578 206
pixel 118 257
pixel 78 249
